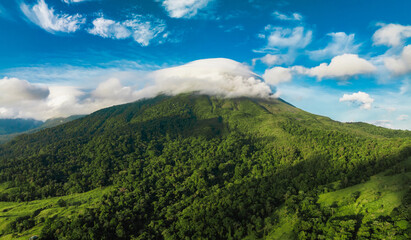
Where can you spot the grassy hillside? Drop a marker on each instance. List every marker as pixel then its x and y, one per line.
pixel 30 217
pixel 379 208
pixel 195 166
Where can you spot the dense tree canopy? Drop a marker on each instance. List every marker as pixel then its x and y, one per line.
pixel 202 167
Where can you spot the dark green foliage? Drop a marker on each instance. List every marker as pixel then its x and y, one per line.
pixel 61 203
pixel 21 224
pixel 316 222
pixel 198 167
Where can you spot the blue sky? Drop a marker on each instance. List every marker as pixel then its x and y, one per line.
pixel 349 60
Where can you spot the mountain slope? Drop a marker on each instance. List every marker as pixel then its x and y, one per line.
pixel 26 126
pixel 193 166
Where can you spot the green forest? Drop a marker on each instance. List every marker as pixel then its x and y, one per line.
pixel 199 167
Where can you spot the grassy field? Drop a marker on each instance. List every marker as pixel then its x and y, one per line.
pixel 284 229
pixel 43 209
pixel 374 198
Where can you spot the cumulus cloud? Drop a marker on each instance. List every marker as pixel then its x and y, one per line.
pixel 141 30
pixel 391 34
pixel 277 75
pixel 291 17
pixel 184 8
pixel 68 100
pixel 361 98
pixel 7 113
pixel 14 90
pixel 45 17
pixel 63 101
pixel 343 67
pixel 401 64
pixel 112 90
pixel 340 43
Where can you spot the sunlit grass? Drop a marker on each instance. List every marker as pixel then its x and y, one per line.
pixel 47 208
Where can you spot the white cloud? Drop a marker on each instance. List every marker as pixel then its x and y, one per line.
pixel 63 101
pixel 383 123
pixel 343 67
pixel 141 30
pixel 210 76
pixel 403 117
pixel 107 28
pixel 6 113
pixel 184 8
pixel 391 34
pixel 401 64
pixel 312 98
pixel 291 17
pixel 112 90
pixel 276 59
pixel 129 72
pixel 278 37
pixel 218 76
pixel 361 98
pixel 74 1
pixel 271 59
pixel 14 90
pixel 69 100
pixel 341 43
pixel 45 17
pixel 284 43
pixel 222 77
pixel 277 75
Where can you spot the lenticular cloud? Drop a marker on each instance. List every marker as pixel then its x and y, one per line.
pixel 218 76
